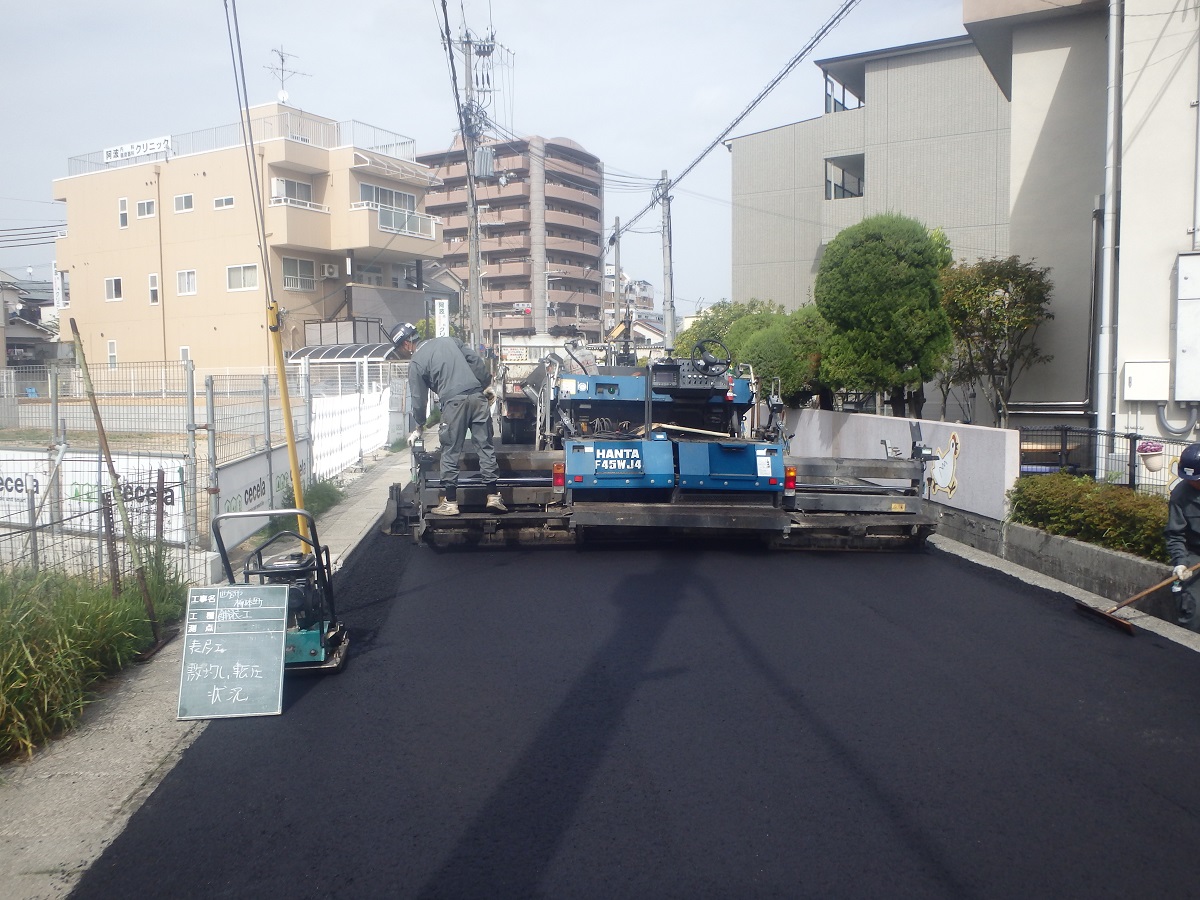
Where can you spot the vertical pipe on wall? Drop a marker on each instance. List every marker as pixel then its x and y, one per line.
pixel 1196 185
pixel 1105 363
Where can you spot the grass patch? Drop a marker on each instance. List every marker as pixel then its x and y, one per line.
pixel 60 634
pixel 319 498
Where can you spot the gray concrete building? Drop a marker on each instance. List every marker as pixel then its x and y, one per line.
pixel 921 130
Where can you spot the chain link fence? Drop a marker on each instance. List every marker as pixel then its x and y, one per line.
pixel 168 422
pixel 1142 462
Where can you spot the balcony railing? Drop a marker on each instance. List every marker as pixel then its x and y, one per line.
pixel 293 126
pixel 299 204
pixel 299 283
pixel 394 220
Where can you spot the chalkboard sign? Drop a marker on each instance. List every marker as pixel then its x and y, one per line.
pixel 233 651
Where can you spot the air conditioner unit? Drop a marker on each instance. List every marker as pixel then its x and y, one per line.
pixel 329 270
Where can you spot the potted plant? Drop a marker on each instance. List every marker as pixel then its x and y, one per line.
pixel 1150 452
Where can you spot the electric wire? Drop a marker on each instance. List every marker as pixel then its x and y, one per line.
pixel 664 190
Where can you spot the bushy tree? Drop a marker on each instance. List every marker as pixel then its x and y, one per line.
pixel 878 287
pixel 995 307
pixel 719 320
pixel 779 345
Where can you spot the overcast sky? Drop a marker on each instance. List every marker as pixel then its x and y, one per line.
pixel 645 85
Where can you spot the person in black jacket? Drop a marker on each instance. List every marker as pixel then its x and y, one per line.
pixel 1183 534
pixel 459 377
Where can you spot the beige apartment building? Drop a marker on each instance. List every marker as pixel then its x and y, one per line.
pixel 541 235
pixel 162 247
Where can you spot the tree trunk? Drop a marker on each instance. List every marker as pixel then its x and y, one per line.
pixel 917 399
pixel 897 401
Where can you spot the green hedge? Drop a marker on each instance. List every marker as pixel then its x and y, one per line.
pixel 1109 515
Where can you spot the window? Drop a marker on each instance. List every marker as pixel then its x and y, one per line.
pixel 370 275
pixel 223 203
pixel 299 275
pixel 286 189
pixel 123 212
pixel 112 289
pixel 370 193
pixel 112 354
pixel 154 289
pixel 145 209
pixel 844 177
pixel 186 282
pixel 183 203
pixel 241 278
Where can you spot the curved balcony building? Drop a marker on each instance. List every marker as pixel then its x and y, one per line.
pixel 541 215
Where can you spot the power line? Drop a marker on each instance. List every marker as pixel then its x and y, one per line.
pixel 832 23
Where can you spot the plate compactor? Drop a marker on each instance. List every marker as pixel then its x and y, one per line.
pixel 316 640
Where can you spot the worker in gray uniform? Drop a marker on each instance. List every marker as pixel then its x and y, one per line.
pixel 459 377
pixel 1183 534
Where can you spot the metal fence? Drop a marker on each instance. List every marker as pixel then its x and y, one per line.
pixel 54 477
pixel 1144 463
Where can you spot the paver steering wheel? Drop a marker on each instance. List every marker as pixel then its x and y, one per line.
pixel 707 362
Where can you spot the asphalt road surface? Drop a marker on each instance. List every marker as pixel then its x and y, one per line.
pixel 693 722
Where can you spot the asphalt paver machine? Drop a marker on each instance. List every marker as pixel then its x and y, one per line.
pixel 684 446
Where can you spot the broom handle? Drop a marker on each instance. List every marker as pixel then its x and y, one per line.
pixel 1150 590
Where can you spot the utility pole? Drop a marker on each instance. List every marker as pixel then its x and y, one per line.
pixel 664 187
pixel 470 125
pixel 617 272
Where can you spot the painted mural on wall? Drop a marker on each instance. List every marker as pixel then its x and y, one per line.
pixel 943 471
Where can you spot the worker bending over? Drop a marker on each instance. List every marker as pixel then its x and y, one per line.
pixel 459 377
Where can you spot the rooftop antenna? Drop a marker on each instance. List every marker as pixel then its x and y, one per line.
pixel 282 72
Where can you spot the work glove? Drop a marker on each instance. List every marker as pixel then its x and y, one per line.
pixel 1182 573
pixel 414 437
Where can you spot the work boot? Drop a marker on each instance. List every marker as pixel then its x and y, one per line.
pixel 495 503
pixel 446 508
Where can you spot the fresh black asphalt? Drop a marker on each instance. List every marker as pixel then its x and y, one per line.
pixel 693 722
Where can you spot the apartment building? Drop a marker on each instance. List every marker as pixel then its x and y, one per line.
pixel 162 247
pixel 1065 133
pixel 921 129
pixel 1105 189
pixel 635 298
pixel 541 219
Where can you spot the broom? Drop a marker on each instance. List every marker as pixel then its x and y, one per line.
pixel 1106 615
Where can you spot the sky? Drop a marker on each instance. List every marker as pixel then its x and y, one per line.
pixel 645 85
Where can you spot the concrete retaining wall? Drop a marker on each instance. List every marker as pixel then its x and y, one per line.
pixel 976 465
pixel 969 482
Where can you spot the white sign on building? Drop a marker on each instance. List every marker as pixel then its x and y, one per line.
pixel 139 148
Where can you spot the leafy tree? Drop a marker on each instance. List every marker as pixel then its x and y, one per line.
pixel 878 287
pixel 716 323
pixel 955 371
pixel 995 307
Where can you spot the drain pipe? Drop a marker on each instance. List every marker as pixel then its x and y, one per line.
pixel 1105 413
pixel 1166 428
